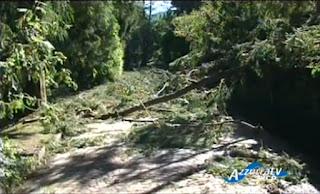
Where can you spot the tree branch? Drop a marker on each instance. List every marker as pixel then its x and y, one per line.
pixel 210 81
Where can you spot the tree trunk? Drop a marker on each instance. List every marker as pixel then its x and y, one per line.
pixel 43 90
pixel 150 11
pixel 211 81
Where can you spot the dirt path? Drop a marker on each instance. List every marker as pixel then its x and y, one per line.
pixel 115 168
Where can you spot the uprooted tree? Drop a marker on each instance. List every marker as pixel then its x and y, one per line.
pixel 277 42
pixel 211 81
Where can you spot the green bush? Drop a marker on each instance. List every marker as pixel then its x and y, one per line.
pixel 17 167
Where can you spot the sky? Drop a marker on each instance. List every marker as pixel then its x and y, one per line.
pixel 158 6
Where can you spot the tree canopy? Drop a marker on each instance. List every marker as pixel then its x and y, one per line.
pixel 259 60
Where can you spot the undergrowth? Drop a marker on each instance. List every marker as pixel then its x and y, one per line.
pixel 17 167
pixel 185 122
pixel 67 116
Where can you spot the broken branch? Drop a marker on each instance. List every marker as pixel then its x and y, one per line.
pixel 140 120
pixel 210 81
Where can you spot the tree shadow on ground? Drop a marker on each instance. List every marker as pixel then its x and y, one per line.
pixel 188 135
pixel 193 135
pixel 113 167
pixel 105 164
pixel 21 131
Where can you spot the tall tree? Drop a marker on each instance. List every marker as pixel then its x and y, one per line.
pixel 29 60
pixel 94 49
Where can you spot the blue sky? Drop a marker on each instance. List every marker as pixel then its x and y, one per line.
pixel 158 6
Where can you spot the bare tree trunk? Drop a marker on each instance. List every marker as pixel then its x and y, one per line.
pixel 43 90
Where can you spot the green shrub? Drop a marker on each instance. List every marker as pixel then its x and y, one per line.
pixel 17 166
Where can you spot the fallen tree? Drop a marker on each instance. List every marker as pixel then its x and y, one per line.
pixel 210 81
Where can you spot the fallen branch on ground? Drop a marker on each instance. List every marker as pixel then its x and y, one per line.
pixel 238 122
pixel 208 81
pixel 217 123
pixel 140 120
pixel 30 120
pixel 161 109
pixel 162 89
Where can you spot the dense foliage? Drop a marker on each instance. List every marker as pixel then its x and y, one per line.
pixel 94 49
pixel 29 59
pixel 165 53
pixel 46 47
pixel 49 49
pixel 277 44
